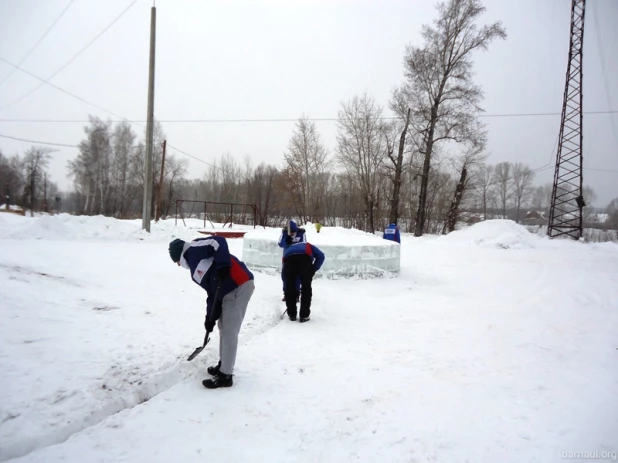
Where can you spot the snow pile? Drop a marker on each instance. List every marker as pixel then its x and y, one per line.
pixel 349 253
pixel 93 228
pixel 499 233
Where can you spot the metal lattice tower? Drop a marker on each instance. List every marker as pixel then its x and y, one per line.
pixel 567 202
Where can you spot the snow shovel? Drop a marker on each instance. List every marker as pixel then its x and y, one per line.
pixel 199 349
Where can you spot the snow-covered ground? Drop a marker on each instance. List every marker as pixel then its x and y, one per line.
pixel 493 345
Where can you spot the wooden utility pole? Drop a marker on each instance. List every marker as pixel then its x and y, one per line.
pixel 149 125
pixel 160 189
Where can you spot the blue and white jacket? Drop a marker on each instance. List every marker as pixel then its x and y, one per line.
pixel 299 238
pixel 312 251
pixel 205 257
pixel 392 233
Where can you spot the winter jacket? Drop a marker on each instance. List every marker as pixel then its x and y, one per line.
pixel 300 237
pixel 316 255
pixel 213 267
pixel 392 233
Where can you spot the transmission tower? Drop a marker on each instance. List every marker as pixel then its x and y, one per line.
pixel 567 201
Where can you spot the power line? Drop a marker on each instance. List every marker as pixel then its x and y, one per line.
pixel 39 142
pixel 585 168
pixel 38 41
pixel 551 156
pixel 122 119
pixel 602 170
pixel 73 58
pixel 65 145
pixel 241 120
pixel 63 90
pixel 76 146
pixel 191 156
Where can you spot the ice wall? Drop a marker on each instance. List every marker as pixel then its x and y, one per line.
pixel 349 253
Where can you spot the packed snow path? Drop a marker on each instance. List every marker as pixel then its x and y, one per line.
pixel 491 346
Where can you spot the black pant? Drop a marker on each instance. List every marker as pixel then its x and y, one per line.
pixel 298 266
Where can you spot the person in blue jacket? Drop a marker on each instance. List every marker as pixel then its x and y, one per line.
pixel 295 235
pixel 300 261
pixel 392 233
pixel 229 287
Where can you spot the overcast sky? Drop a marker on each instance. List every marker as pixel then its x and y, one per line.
pixel 261 59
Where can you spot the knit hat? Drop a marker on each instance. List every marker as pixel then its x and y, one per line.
pixel 176 248
pixel 293 226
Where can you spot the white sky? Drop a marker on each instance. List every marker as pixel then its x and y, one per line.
pixel 257 59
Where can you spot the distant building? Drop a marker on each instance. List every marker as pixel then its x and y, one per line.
pixel 12 208
pixel 535 218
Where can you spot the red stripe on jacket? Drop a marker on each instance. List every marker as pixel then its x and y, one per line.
pixel 238 274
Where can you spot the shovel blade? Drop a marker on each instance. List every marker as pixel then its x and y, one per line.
pixel 199 349
pixel 195 353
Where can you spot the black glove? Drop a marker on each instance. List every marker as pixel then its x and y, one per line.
pixel 312 272
pixel 288 239
pixel 209 325
pixel 223 273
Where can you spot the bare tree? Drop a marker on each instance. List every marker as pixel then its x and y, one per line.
pixel 91 168
pixel 361 147
pixel 439 85
pixel 522 185
pixel 11 178
pixel 123 139
pixel 588 210
pixel 306 159
pixel 395 173
pixel 503 181
pixel 470 160
pixel 484 181
pixel 174 171
pixel 612 215
pixel 262 192
pixel 35 163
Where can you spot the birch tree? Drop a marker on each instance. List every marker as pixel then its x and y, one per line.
pixel 362 147
pixel 306 159
pixel 35 163
pixel 503 181
pixel 522 185
pixel 439 86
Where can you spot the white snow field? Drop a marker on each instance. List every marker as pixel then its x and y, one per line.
pixel 351 253
pixel 493 345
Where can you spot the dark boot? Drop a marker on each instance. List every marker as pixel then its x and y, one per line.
pixel 303 320
pixel 214 370
pixel 219 380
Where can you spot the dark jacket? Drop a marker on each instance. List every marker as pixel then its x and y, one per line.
pixel 312 251
pixel 216 270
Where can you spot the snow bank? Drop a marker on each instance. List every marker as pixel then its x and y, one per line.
pixel 349 253
pixel 90 328
pixel 93 228
pixel 499 233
